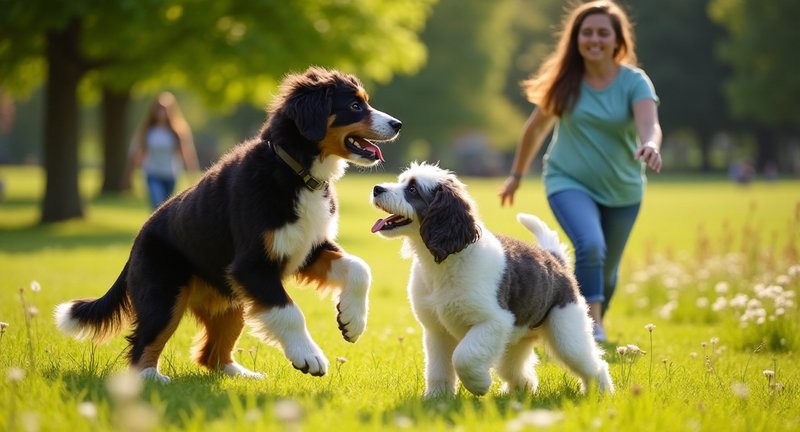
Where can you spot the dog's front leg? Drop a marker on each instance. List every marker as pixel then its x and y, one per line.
pixel 275 318
pixel 440 376
pixel 349 277
pixel 479 350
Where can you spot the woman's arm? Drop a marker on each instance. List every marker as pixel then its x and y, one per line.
pixel 645 116
pixel 534 132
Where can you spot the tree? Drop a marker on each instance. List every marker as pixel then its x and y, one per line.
pixel 229 50
pixel 761 47
pixel 461 86
pixel 687 75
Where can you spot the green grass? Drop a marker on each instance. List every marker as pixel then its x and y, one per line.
pixel 694 242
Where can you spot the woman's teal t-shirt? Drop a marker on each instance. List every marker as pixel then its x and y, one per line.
pixel 593 145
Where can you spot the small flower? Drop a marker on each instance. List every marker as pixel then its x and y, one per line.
pixel 3 327
pixel 714 341
pixel 650 327
pixel 341 360
pixel 740 390
pixel 288 411
pixel 693 354
pixel 87 410
pixel 539 418
pixel 633 349
pixel 36 286
pixel 769 373
pixel 622 350
pixel 15 374
pixel 125 385
pixel 33 311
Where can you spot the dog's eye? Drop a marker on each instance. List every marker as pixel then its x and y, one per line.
pixel 412 189
pixel 355 106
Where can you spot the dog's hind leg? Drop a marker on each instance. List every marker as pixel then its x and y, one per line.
pixel 215 343
pixel 349 278
pixel 155 324
pixel 568 331
pixel 517 366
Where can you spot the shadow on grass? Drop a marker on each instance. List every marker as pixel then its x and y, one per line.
pixel 35 237
pixel 453 410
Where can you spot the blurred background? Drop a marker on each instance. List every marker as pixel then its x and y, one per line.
pixel 76 77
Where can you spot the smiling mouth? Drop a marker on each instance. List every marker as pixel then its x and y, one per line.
pixel 364 148
pixel 389 223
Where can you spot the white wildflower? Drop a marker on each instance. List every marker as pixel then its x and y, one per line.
pixel 650 327
pixel 739 301
pixel 721 287
pixel 701 302
pixel 719 304
pixel 36 286
pixel 125 385
pixel 740 390
pixel 87 410
pixel 768 373
pixel 288 411
pixel 15 374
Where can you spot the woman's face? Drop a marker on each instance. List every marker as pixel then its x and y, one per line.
pixel 161 114
pixel 597 40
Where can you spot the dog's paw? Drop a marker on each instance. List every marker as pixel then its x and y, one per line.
pixel 352 319
pixel 236 370
pixel 308 359
pixel 152 374
pixel 477 381
pixel 439 390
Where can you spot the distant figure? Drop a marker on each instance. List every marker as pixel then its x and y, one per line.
pixel 605 115
pixel 162 146
pixel 741 172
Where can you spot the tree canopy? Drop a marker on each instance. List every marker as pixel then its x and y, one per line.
pixel 227 51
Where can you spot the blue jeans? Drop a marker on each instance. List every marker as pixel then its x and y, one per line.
pixel 159 189
pixel 598 234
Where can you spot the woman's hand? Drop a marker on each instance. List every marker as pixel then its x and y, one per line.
pixel 650 155
pixel 508 189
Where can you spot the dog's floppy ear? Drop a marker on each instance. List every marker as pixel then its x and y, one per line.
pixel 309 108
pixel 448 225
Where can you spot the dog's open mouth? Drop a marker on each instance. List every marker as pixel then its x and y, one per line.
pixel 363 148
pixel 390 222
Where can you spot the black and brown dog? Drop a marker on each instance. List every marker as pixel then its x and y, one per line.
pixel 264 212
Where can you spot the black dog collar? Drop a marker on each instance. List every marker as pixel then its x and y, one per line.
pixel 311 182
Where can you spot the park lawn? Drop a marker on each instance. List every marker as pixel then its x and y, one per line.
pixel 695 242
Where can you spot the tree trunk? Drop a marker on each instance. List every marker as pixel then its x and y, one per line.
pixel 704 141
pixel 115 133
pixel 766 149
pixel 62 200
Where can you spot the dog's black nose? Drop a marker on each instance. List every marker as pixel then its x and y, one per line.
pixel 377 190
pixel 396 125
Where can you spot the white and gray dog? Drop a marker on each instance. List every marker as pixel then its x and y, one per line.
pixel 484 299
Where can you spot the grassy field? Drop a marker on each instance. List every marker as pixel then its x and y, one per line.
pixel 714 266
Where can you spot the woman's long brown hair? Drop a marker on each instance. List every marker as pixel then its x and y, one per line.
pixel 556 85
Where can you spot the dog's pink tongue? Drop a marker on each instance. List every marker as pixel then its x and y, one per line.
pixel 379 224
pixel 368 146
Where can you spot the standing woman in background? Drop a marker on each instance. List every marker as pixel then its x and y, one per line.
pixel 604 110
pixel 162 144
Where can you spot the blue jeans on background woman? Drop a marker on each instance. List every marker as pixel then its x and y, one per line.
pixel 599 234
pixel 159 189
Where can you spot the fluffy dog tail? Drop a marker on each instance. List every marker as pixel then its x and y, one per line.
pixel 548 238
pixel 96 319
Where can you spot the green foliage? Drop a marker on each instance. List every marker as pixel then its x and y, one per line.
pixel 695 374
pixel 762 50
pixel 460 88
pixel 227 51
